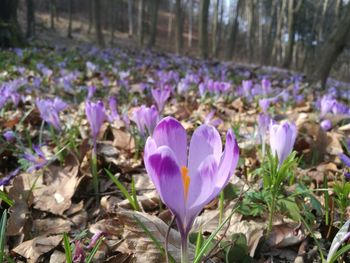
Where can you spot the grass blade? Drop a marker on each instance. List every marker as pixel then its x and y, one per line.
pixel 3 234
pixel 67 248
pixel 94 250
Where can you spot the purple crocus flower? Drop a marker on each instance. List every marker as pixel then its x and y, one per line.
pixel 345 159
pixel 326 125
pixel 114 116
pixel 9 136
pixel 247 86
pixel 266 86
pixel 146 119
pixel 160 96
pixel 282 139
pixel 210 120
pixel 187 184
pixel 264 121
pixel 327 103
pixel 95 238
pixel 96 115
pixel 91 92
pixel 6 180
pixel 264 104
pixel 49 110
pixel 38 159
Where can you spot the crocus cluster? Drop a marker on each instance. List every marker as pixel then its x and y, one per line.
pixel 187 181
pixel 49 110
pixel 282 139
pixel 213 87
pixel 145 119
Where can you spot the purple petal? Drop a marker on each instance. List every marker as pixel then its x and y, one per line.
pixel 205 141
pixel 345 159
pixel 171 133
pixel 166 175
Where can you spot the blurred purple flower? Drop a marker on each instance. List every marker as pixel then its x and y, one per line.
pixel 91 91
pixel 326 125
pixel 187 183
pixel 95 238
pixel 282 139
pixel 146 119
pixel 49 110
pixel 327 104
pixel 114 115
pixel 345 159
pixel 160 96
pixel 38 159
pixel 247 86
pixel 6 180
pixel 10 136
pixel 78 256
pixel 209 119
pixel 264 104
pixel 96 115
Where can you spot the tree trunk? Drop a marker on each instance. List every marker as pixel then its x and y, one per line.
pixel 190 23
pixel 179 26
pixel 154 23
pixel 70 15
pixel 291 31
pixel 251 10
pixel 276 50
pixel 10 32
pixel 338 8
pixel 112 20
pixel 215 29
pixel 331 49
pixel 203 28
pixel 233 32
pixel 140 21
pixel 130 18
pixel 52 13
pixel 220 27
pixel 91 15
pixel 269 34
pixel 97 19
pixel 30 32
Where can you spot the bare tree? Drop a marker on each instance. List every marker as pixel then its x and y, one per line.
pixel 203 28
pixel 97 19
pixel 277 46
pixel 30 19
pixel 130 18
pixel 154 22
pixel 292 10
pixel 215 28
pixel 233 31
pixel 179 26
pixel 70 15
pixel 332 48
pixel 10 32
pixel 190 22
pixel 140 21
pixel 112 20
pixel 91 15
pixel 52 13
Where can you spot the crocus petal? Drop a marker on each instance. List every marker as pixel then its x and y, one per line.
pixel 166 174
pixel 171 133
pixel 345 159
pixel 205 141
pixel 228 161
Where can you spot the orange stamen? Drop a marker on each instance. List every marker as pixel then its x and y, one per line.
pixel 186 180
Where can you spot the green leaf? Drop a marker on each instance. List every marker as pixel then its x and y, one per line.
pixel 123 190
pixel 6 199
pixel 3 223
pixel 67 248
pixel 94 250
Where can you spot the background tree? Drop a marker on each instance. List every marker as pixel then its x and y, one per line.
pixel 10 32
pixel 30 19
pixel 97 20
pixel 140 21
pixel 70 18
pixel 203 28
pixel 130 18
pixel 332 48
pixel 154 22
pixel 179 27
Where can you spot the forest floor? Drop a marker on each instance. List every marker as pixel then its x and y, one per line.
pixel 47 155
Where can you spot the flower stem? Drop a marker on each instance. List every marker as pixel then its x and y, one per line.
pixel 272 212
pixel 94 172
pixel 184 249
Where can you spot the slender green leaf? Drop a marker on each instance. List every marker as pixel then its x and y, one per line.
pixel 94 250
pixel 67 248
pixel 339 253
pixel 3 235
pixel 6 199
